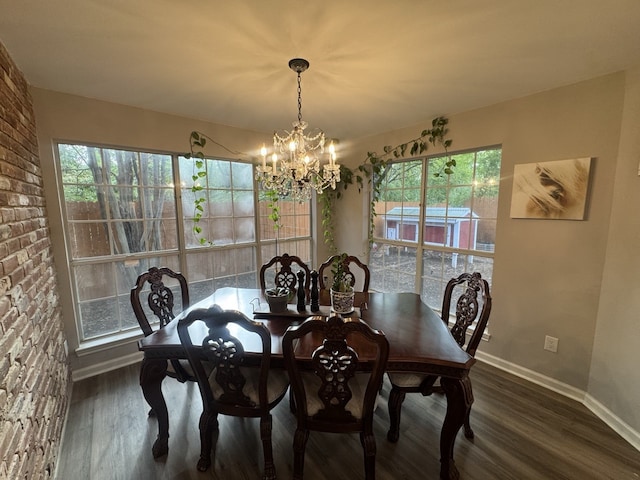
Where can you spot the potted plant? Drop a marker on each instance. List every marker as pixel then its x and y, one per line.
pixel 342 293
pixel 277 298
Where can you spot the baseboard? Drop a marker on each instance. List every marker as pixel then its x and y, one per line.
pixel 104 367
pixel 534 377
pixel 620 427
pixel 64 426
pixel 599 410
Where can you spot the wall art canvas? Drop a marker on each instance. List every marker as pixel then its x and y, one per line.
pixel 551 190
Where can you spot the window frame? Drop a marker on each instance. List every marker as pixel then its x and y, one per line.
pixel 382 244
pixel 129 333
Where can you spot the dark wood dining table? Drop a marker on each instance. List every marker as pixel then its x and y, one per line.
pixel 419 342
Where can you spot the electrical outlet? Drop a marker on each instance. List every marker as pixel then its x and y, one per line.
pixel 551 343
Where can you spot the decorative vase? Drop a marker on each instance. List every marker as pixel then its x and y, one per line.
pixel 277 301
pixel 342 302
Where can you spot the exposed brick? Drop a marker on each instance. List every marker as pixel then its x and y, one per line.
pixel 4 367
pixel 10 263
pixel 32 358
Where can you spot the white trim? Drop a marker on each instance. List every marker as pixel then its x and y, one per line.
pixel 64 426
pixel 608 417
pixel 534 377
pixel 107 343
pixel 107 366
pixel 603 413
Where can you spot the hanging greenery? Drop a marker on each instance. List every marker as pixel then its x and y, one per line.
pixel 197 143
pixel 374 170
pixel 199 174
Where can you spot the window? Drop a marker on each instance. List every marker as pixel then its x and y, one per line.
pixel 430 228
pixel 122 216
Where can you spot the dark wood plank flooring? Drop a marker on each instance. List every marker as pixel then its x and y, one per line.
pixel 523 431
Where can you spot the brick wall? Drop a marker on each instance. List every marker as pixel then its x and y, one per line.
pixel 34 373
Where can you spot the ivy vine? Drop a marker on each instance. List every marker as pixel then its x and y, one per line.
pixel 197 143
pixel 374 170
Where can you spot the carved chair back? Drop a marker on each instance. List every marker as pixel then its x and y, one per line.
pixel 160 298
pixel 472 305
pixel 161 303
pixel 284 275
pixel 335 390
pixel 231 382
pixel 358 275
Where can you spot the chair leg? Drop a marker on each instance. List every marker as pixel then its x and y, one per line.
pixel 396 397
pixel 208 422
pixel 292 401
pixel 368 442
pixel 265 436
pixel 299 445
pixel 468 432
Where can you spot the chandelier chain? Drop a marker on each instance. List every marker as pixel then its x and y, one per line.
pixel 299 98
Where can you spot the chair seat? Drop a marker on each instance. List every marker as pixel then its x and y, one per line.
pixel 171 370
pixel 407 380
pixel 277 384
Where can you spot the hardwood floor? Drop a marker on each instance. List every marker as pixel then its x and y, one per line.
pixel 523 432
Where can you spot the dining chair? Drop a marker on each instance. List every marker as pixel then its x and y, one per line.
pixel 473 305
pixel 161 303
pixel 353 267
pixel 283 274
pixel 230 382
pixel 334 385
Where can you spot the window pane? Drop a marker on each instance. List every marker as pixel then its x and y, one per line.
pixel 242 176
pixel 219 174
pixel 88 239
pixel 393 268
pixel 243 203
pixel 215 269
pixel 399 206
pixel 433 278
pixel 244 229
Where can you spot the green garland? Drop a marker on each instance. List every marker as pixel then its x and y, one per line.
pixel 374 171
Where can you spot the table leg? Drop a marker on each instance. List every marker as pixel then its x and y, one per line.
pixel 459 400
pixel 152 373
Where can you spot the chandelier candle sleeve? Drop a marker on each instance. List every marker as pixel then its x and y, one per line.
pixel 299 173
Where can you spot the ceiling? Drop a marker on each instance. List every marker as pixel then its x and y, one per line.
pixel 375 65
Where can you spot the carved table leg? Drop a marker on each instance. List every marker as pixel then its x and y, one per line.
pixel 459 400
pixel 152 372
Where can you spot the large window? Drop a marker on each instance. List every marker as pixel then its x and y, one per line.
pixel 122 216
pixel 431 228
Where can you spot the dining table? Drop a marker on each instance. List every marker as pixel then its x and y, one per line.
pixel 419 342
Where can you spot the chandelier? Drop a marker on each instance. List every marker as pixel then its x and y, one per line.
pixel 294 168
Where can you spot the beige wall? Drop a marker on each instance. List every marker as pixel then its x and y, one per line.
pixel 614 379
pixel 548 274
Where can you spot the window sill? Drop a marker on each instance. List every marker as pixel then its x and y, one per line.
pixel 106 343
